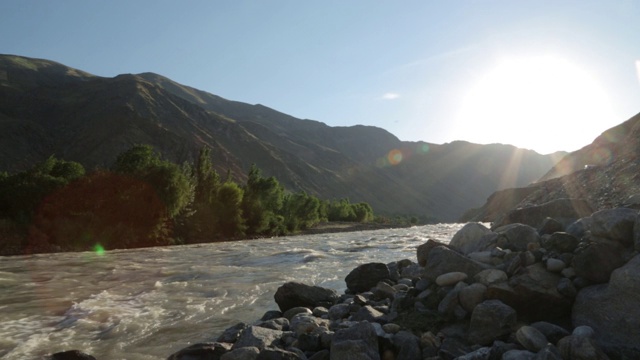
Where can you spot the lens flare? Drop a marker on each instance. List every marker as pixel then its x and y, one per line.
pixel 98 249
pixel 394 157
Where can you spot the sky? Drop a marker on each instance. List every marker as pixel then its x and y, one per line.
pixel 542 75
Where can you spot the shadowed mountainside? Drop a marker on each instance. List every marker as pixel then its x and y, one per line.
pixel 602 175
pixel 47 108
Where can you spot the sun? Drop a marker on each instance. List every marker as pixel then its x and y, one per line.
pixel 545 103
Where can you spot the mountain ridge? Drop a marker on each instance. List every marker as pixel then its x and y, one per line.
pixel 47 108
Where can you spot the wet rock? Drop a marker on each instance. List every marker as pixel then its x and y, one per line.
pixel 596 262
pixel 281 324
pixel 531 339
pixel 615 224
pixel 270 315
pixel 443 260
pixel 294 294
pixel 491 320
pixel 366 276
pixel 358 342
pixel 517 237
pixel 306 323
pixel 467 239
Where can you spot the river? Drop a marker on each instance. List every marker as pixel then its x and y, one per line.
pixel 145 304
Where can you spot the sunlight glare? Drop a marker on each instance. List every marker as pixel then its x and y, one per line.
pixel 544 103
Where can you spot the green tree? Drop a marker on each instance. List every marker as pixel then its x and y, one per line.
pixel 262 203
pixel 229 210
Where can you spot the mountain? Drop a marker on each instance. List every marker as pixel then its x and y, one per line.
pixel 47 108
pixel 604 174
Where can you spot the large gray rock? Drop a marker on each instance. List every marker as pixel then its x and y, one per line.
pixel 358 342
pixel 614 224
pixel 279 354
pixel 422 252
pixel 259 337
pixel 467 239
pixel 612 309
pixel 517 236
pixel 366 276
pixel 408 344
pixel 490 276
pixel 596 261
pixel 472 295
pixel 491 320
pixel 531 339
pixel 294 294
pixel 243 353
pixel 561 242
pixel 533 293
pixel 443 260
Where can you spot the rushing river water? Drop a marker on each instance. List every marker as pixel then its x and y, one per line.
pixel 145 304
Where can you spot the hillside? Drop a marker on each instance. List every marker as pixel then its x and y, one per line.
pixel 604 174
pixel 47 108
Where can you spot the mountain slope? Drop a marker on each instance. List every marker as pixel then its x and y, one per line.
pixel 604 174
pixel 47 108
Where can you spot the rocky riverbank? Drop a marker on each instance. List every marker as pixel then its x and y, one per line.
pixel 514 292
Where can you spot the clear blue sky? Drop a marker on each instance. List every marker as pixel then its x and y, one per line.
pixel 438 71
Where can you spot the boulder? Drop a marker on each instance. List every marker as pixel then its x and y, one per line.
pixel 423 250
pixel 596 261
pixel 443 260
pixel 467 239
pixel 636 234
pixel 279 354
pixel 490 276
pixel 366 276
pixel 612 309
pixel 517 236
pixel 533 293
pixel 77 355
pixel 358 342
pixel 231 334
pixel 491 320
pixel 408 345
pixel 294 294
pixel 339 311
pixel 531 339
pixel 306 323
pixel 581 345
pixel 561 242
pixel 580 227
pixel 259 337
pixel 451 278
pixel 614 224
pixel 472 295
pixel 550 226
pixel 368 313
pixel 243 353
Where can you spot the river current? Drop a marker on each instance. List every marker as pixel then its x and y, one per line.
pixel 145 304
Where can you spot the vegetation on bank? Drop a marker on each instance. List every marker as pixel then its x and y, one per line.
pixel 144 200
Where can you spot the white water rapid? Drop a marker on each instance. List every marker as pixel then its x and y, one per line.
pixel 145 304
